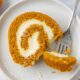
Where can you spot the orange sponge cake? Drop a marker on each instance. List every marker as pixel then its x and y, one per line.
pixel 59 61
pixel 29 35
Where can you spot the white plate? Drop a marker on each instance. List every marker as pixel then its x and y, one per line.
pixel 62 15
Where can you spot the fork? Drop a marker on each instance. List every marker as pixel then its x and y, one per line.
pixel 65 43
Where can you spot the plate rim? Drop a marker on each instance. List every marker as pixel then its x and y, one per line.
pixel 15 4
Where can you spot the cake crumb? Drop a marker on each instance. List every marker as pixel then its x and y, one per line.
pixel 68 51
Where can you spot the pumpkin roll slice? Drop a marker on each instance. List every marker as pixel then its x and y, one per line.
pixel 59 61
pixel 29 35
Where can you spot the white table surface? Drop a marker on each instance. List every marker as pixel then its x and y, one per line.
pixel 69 3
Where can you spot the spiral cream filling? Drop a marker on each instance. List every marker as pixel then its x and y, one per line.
pixel 33 42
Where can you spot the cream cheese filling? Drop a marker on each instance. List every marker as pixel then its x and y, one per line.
pixel 33 42
pixel 58 54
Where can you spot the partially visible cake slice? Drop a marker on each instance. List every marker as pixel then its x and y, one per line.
pixel 59 61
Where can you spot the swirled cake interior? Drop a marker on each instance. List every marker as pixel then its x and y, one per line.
pixel 29 35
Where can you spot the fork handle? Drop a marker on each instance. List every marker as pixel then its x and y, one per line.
pixel 74 14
